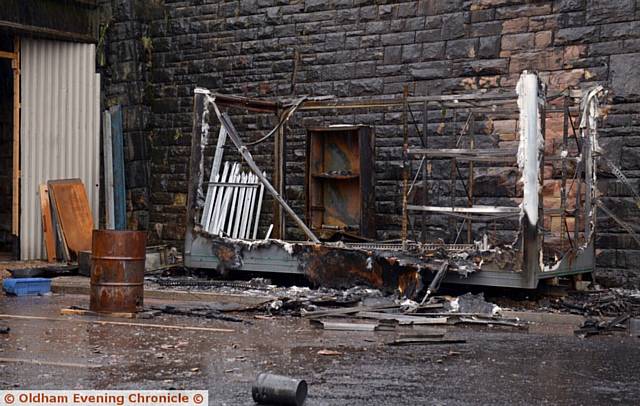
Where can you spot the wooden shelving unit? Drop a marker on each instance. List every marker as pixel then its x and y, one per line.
pixel 339 181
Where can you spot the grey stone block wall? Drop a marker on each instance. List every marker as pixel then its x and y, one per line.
pixel 158 51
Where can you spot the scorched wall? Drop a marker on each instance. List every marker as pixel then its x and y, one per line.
pixel 155 52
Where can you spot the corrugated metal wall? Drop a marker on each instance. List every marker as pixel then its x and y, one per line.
pixel 59 128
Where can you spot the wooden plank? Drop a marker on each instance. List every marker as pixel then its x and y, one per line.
pixel 68 311
pixel 107 162
pixel 47 224
pixel 74 214
pixel 49 363
pixel 341 326
pixel 15 196
pixel 119 190
pixel 402 319
pixel 426 340
pixel 116 323
pixel 61 243
pixel 8 55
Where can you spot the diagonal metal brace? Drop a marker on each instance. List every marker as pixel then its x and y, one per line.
pixel 242 149
pixel 621 223
pixel 625 181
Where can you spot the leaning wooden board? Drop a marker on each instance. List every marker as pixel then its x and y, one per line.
pixel 73 213
pixel 47 224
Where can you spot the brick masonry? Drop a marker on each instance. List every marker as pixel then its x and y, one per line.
pixel 158 51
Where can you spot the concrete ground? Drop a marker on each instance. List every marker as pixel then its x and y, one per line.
pixel 547 364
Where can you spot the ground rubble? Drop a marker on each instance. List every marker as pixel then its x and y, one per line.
pixel 364 309
pixel 357 308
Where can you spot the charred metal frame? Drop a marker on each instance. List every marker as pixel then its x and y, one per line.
pixel 403 266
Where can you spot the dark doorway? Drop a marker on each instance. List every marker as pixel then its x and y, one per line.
pixel 8 241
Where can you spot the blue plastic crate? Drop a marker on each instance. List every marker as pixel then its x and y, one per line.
pixel 27 286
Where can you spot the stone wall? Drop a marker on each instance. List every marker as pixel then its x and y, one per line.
pixel 158 51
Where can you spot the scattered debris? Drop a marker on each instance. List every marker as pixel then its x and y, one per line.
pixel 403 319
pixel 383 325
pixel 4 330
pixel 118 323
pixel 609 303
pixel 424 340
pixel 50 271
pixel 592 327
pixel 329 352
pixel 279 390
pixel 435 283
pixel 79 311
pixel 490 321
pixel 198 311
pixel 470 303
pixel 49 363
pixel 255 283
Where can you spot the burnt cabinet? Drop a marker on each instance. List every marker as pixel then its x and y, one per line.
pixel 339 181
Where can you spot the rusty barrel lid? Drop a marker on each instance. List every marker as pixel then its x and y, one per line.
pixel 117 244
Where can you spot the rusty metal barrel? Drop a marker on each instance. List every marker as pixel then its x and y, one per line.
pixel 117 271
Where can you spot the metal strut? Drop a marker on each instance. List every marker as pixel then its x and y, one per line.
pixel 242 149
pixel 621 223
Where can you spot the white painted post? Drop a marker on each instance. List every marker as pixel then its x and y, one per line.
pixel 259 208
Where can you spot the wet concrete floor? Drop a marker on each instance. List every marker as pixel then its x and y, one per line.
pixel 497 366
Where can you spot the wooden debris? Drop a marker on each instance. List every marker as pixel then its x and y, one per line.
pixel 403 319
pixel 76 311
pixel 329 325
pixel 434 334
pixel 594 327
pixel 118 323
pixel 47 224
pixel 493 322
pixel 424 340
pixel 329 352
pixel 50 363
pixel 346 310
pixel 73 213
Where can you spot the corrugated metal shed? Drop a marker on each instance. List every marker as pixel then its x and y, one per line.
pixel 60 128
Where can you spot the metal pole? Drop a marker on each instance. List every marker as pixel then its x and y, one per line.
pixel 15 197
pixel 563 155
pixel 588 180
pixel 278 179
pixel 454 173
pixel 405 167
pixel 472 145
pixel 425 185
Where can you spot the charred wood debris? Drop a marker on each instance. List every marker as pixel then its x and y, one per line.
pixel 355 309
pixel 361 308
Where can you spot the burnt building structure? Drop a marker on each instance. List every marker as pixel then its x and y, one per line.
pixel 156 52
